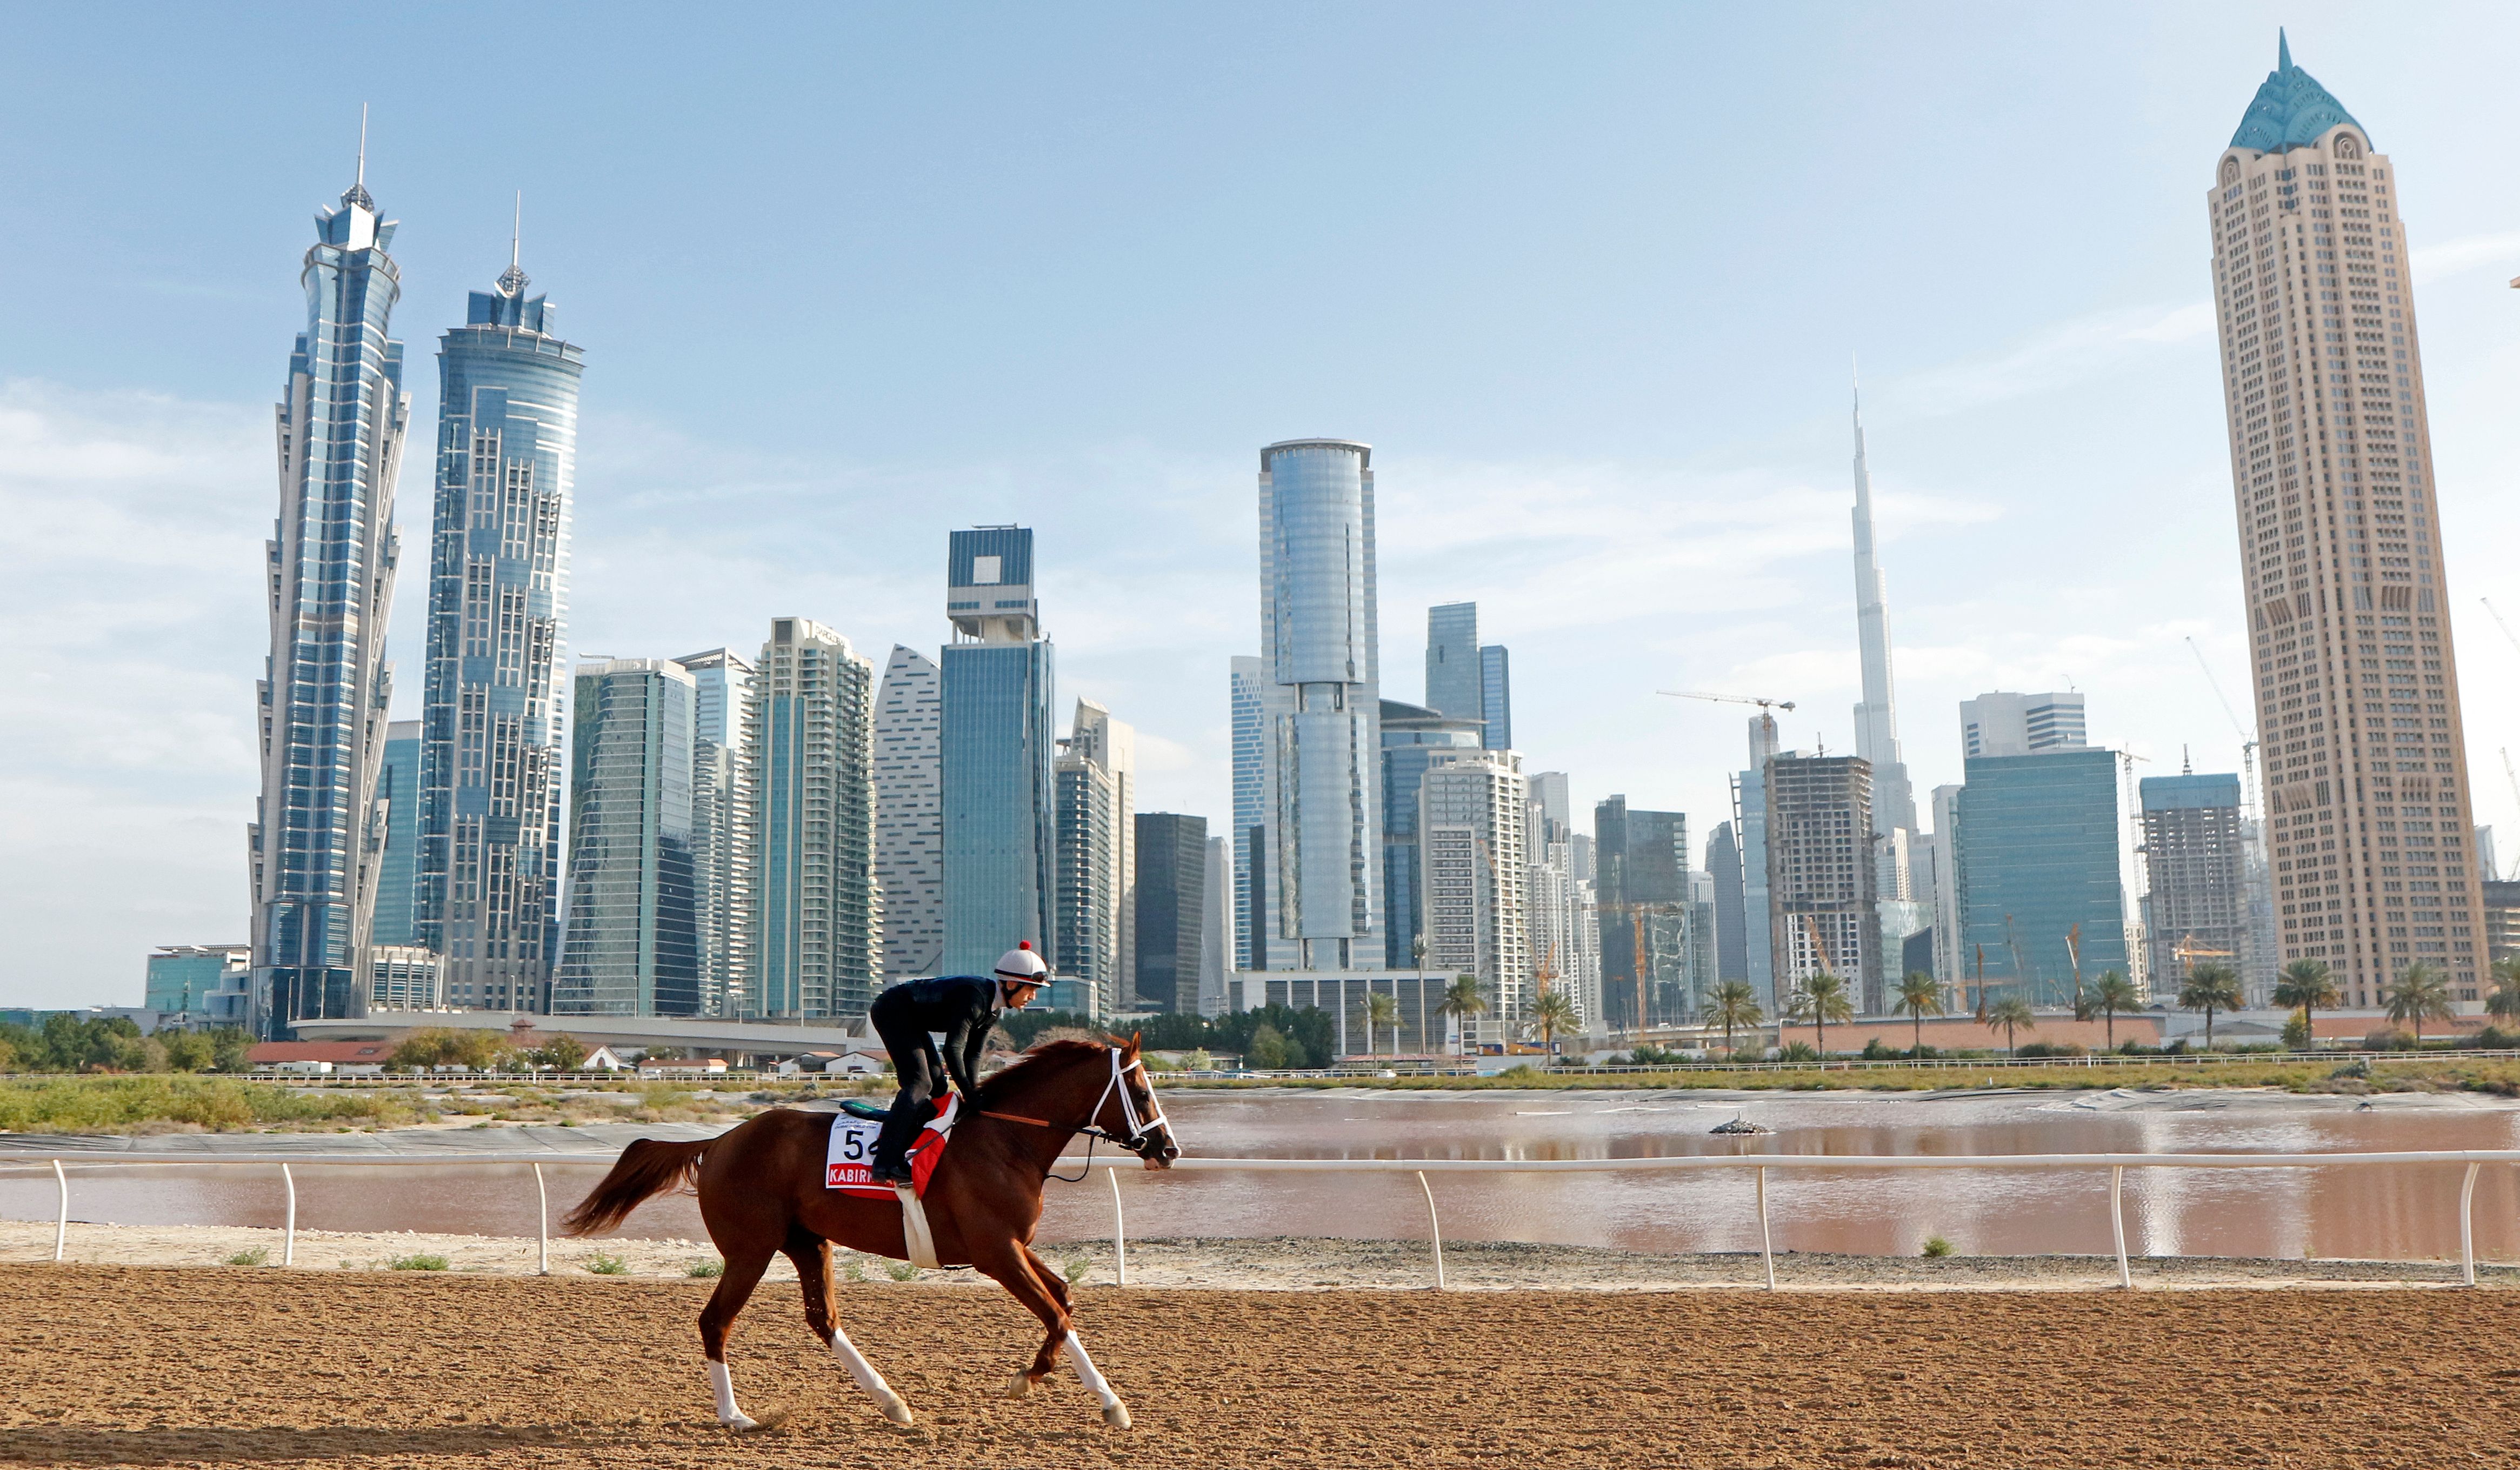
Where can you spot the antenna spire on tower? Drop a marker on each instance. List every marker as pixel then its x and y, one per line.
pixel 512 280
pixel 357 193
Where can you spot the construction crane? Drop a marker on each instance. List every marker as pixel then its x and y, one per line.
pixel 2248 740
pixel 1731 699
pixel 2498 623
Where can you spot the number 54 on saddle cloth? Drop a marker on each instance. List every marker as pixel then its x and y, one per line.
pixel 849 1165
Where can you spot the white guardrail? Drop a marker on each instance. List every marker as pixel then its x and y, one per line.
pixel 2116 1164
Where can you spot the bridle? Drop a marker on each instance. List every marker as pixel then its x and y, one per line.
pixel 1142 1139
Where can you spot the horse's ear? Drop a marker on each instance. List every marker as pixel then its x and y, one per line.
pixel 1132 1052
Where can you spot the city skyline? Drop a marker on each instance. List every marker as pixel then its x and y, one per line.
pixel 1600 736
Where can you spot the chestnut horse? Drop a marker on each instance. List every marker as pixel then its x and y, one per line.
pixel 762 1191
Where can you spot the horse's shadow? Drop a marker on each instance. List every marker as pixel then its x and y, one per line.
pixel 95 1445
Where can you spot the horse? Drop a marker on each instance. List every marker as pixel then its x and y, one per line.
pixel 762 1191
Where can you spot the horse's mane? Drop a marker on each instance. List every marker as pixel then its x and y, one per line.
pixel 1043 1058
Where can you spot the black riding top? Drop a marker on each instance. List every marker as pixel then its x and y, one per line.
pixel 964 1007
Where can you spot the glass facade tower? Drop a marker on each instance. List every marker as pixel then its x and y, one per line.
pixel 817 910
pixel 722 836
pixel 498 604
pixel 909 826
pixel 995 757
pixel 634 934
pixel 2036 858
pixel 317 840
pixel 398 874
pixel 1320 748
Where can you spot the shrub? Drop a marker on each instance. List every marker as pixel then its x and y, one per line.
pixel 1797 1051
pixel 1936 1248
pixel 1874 1051
pixel 2389 1039
pixel 901 1271
pixel 600 1264
pixel 2496 1038
pixel 1075 1269
pixel 255 1256
pixel 2055 1049
pixel 416 1263
pixel 2296 1032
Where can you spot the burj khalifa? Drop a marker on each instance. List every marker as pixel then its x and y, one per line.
pixel 1877 719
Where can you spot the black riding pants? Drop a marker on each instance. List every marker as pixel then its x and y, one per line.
pixel 922 1075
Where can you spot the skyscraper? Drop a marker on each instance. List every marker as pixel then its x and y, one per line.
pixel 997 747
pixel 1820 876
pixel 1473 841
pixel 1412 737
pixel 496 700
pixel 2196 867
pixel 1642 913
pixel 634 928
pixel 315 843
pixel 1724 865
pixel 1084 902
pixel 2367 790
pixel 1171 896
pixel 815 905
pixel 1216 929
pixel 398 873
pixel 1496 698
pixel 1321 748
pixel 1112 745
pixel 2017 724
pixel 1247 710
pixel 1454 685
pixel 1877 719
pixel 909 822
pixel 721 835
pixel 2036 841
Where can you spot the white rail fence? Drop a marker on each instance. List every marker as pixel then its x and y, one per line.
pixel 2116 1164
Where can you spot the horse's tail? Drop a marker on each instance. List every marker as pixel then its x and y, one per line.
pixel 647 1168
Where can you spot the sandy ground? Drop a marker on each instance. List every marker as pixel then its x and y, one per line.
pixel 129 1366
pixel 1309 1264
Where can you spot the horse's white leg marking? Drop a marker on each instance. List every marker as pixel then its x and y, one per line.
pixel 868 1378
pixel 1115 1412
pixel 722 1383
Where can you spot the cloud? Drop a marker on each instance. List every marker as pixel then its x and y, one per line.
pixel 2450 258
pixel 2094 345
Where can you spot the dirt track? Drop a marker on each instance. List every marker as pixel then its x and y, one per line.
pixel 104 1365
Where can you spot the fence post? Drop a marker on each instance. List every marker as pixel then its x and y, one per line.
pixel 2117 1223
pixel 1435 1229
pixel 1767 1248
pixel 1119 1226
pixel 2467 1226
pixel 288 1241
pixel 542 1223
pixel 62 1225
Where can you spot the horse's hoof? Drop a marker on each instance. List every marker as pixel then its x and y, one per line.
pixel 740 1424
pixel 1020 1385
pixel 898 1412
pixel 1117 1414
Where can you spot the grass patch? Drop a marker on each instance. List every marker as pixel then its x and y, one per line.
pixel 601 1264
pixel 1075 1269
pixel 215 1104
pixel 1936 1248
pixel 901 1271
pixel 855 1271
pixel 416 1263
pixel 705 1270
pixel 255 1256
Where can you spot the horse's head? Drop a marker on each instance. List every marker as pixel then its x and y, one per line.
pixel 1143 1128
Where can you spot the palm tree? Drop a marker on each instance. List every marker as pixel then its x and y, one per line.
pixel 1730 1005
pixel 2303 985
pixel 2419 995
pixel 2114 993
pixel 1919 996
pixel 1384 1011
pixel 2210 987
pixel 2010 1013
pixel 1821 1001
pixel 1550 1014
pixel 2503 1003
pixel 1462 1001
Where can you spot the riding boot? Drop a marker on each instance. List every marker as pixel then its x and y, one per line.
pixel 892 1144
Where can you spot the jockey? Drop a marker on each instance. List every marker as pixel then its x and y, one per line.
pixel 964 1008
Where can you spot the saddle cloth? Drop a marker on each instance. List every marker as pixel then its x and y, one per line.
pixel 848 1165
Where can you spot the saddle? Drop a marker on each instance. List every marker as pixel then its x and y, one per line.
pixel 848 1165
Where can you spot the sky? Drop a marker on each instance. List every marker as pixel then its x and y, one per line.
pixel 1592 280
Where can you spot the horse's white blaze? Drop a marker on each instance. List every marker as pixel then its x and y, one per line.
pixel 1115 1412
pixel 722 1384
pixel 868 1378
